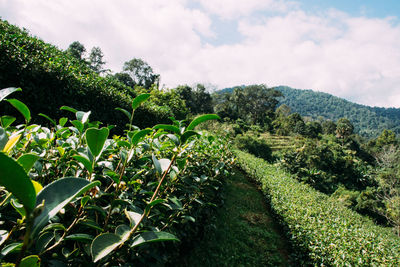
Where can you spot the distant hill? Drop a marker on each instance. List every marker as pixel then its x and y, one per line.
pixel 368 121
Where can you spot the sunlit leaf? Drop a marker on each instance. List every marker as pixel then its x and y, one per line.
pixel 139 135
pixel 88 165
pixel 96 139
pixel 164 164
pixel 103 244
pixel 30 261
pixel 62 121
pixel 201 119
pixel 7 91
pixel 133 217
pixel 139 100
pixel 187 134
pixel 6 120
pixel 82 116
pixel 21 107
pixel 16 181
pixel 69 109
pixel 3 138
pixel 11 143
pixel 58 194
pixel 27 161
pixel 78 125
pixel 167 127
pixel 150 237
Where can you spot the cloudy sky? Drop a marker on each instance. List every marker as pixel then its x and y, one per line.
pixel 350 49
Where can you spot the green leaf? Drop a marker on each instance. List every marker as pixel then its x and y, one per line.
pixel 96 139
pixel 7 91
pixel 69 109
pixel 30 261
pixel 62 121
pixel 17 182
pixel 3 138
pixel 157 164
pixel 58 194
pixel 168 127
pixel 139 100
pixel 88 165
pixel 123 231
pixel 164 164
pixel 3 236
pixel 6 120
pixel 139 135
pixel 11 248
pixel 152 204
pixel 201 119
pixel 127 113
pixel 21 107
pixel 149 237
pixel 48 118
pixel 133 217
pixel 103 245
pixel 78 125
pixel 82 116
pixel 187 134
pixel 27 161
pixel 85 238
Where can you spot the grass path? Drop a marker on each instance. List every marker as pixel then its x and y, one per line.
pixel 245 234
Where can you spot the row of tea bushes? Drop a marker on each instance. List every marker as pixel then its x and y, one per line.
pixel 323 230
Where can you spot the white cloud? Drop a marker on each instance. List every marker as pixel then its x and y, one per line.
pixel 352 57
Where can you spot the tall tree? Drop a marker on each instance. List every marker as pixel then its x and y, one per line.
pixel 96 59
pixel 77 50
pixel 141 73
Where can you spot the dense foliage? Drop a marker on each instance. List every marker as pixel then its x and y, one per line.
pixel 78 196
pixel 52 78
pixel 325 231
pixel 367 121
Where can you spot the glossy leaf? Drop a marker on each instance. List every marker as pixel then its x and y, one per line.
pixel 187 135
pixel 88 165
pixel 96 139
pixel 11 143
pixel 201 119
pixel 78 125
pixel 11 248
pixel 27 161
pixel 7 91
pixel 69 109
pixel 133 217
pixel 3 236
pixel 139 100
pixel 103 244
pixel 123 231
pixel 150 237
pixel 58 194
pixel 38 187
pixel 62 121
pixel 6 120
pixel 85 238
pixel 167 127
pixel 82 116
pixel 21 107
pixel 157 164
pixel 139 135
pixel 30 261
pixel 164 164
pixel 16 181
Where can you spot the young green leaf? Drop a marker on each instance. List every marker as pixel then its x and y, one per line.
pixel 62 121
pixel 96 139
pixel 139 135
pixel 139 100
pixel 7 91
pixel 30 261
pixel 167 127
pixel 201 119
pixel 21 107
pixel 11 143
pixel 187 135
pixel 6 120
pixel 85 238
pixel 103 244
pixel 157 164
pixel 82 116
pixel 149 237
pixel 17 182
pixel 27 161
pixel 78 125
pixel 69 109
pixel 58 194
pixel 88 165
pixel 48 118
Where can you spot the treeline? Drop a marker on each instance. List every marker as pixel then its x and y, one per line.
pixel 367 121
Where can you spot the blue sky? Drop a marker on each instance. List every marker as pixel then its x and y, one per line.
pixel 350 49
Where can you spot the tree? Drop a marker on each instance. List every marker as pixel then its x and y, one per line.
pixel 344 128
pixel 387 137
pixel 328 127
pixel 125 78
pixel 141 73
pixel 77 50
pixel 96 60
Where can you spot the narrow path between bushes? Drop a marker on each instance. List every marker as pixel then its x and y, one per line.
pixel 245 233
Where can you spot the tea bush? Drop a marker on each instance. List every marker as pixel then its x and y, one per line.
pixel 323 230
pixel 254 145
pixel 72 195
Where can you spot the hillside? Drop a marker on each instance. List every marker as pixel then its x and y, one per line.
pixel 367 121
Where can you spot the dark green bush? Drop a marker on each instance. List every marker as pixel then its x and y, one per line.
pixel 254 145
pixel 326 232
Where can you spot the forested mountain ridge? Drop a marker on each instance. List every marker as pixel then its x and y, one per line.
pixel 368 121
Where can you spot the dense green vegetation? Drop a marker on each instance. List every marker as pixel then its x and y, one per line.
pixel 367 121
pixel 77 196
pixel 324 230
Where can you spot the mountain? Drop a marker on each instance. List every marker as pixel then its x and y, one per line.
pixel 368 121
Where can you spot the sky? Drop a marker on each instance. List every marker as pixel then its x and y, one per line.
pixel 350 49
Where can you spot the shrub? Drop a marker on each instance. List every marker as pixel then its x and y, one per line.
pixel 325 231
pixel 254 145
